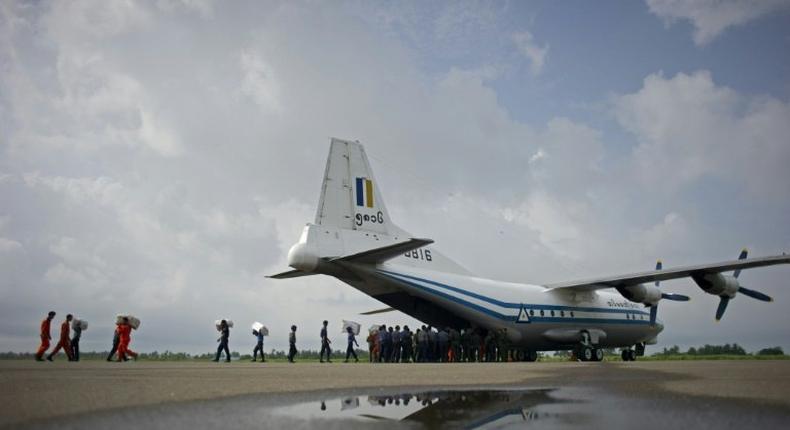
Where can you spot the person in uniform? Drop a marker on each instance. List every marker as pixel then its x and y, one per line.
pixel 474 346
pixel 292 344
pixel 443 344
pixel 371 346
pixel 455 345
pixel 389 337
pixel 116 340
pixel 433 345
pixel 352 340
pixel 405 341
pixel 223 342
pixel 45 335
pixel 75 342
pixel 325 344
pixel 422 345
pixel 125 334
pixel 396 339
pixel 382 338
pixel 258 346
pixel 65 341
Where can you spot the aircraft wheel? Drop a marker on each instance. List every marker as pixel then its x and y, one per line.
pixel 624 355
pixel 598 354
pixel 631 355
pixel 532 356
pixel 587 353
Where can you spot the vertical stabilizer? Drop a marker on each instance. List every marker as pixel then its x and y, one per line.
pixel 350 196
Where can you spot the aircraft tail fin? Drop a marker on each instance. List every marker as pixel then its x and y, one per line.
pixel 350 196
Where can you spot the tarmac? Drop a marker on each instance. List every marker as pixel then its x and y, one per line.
pixel 724 394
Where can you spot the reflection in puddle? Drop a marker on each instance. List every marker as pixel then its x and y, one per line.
pixel 433 409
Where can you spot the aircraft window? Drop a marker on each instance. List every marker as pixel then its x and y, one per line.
pixel 562 313
pixel 552 313
pixel 532 312
pixel 571 314
pixel 541 312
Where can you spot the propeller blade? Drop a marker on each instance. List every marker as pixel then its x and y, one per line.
pixel 744 253
pixel 675 297
pixel 722 307
pixel 653 313
pixel 755 294
pixel 659 265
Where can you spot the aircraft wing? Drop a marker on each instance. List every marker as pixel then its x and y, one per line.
pixel 667 274
pixel 384 253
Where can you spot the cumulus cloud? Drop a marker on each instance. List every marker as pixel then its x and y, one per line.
pixel 536 54
pixel 712 17
pixel 689 126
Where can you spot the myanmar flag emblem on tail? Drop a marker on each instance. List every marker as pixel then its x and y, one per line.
pixel 364 192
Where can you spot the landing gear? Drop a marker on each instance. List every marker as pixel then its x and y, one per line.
pixel 527 355
pixel 586 353
pixel 628 355
pixel 598 354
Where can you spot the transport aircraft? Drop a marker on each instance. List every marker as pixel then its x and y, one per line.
pixel 354 240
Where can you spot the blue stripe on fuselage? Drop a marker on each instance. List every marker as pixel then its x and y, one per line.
pixel 398 277
pixel 517 305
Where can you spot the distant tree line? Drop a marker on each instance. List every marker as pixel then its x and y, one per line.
pixel 726 349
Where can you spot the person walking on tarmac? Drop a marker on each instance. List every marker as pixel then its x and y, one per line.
pixel 223 342
pixel 125 335
pixel 45 336
pixel 292 344
pixel 116 340
pixel 351 342
pixel 75 342
pixel 64 342
pixel 325 344
pixel 258 346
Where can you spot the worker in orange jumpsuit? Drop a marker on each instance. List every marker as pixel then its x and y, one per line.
pixel 45 336
pixel 126 337
pixel 65 339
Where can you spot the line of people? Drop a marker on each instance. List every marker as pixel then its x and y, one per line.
pixel 426 344
pixel 70 344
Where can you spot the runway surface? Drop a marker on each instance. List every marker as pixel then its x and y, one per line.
pixel 651 394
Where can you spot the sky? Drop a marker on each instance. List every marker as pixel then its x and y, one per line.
pixel 159 158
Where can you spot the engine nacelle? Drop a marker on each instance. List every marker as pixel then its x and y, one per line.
pixel 717 284
pixel 641 293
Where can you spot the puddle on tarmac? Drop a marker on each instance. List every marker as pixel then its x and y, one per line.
pixel 435 409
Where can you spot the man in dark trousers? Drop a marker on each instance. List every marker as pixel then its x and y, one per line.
pixel 65 341
pixel 396 344
pixel 223 342
pixel 116 340
pixel 45 336
pixel 75 341
pixel 258 346
pixel 325 344
pixel 351 342
pixel 292 344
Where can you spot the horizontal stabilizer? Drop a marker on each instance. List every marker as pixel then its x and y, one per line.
pixel 378 311
pixel 380 255
pixel 290 274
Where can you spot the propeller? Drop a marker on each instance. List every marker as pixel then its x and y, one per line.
pixel 667 296
pixel 724 300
